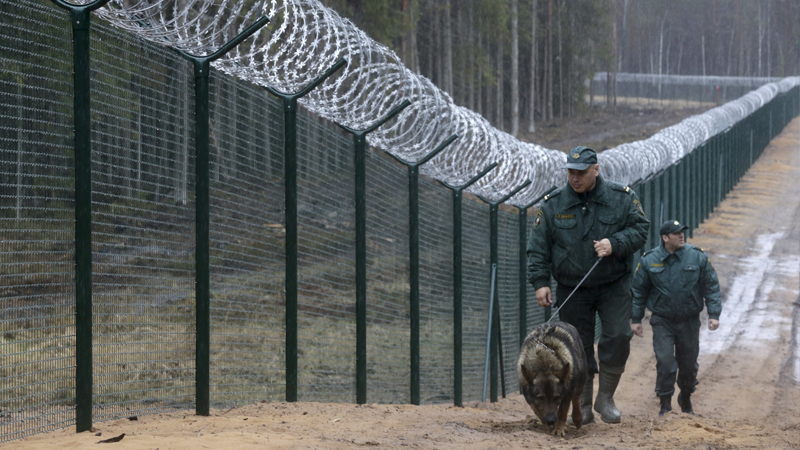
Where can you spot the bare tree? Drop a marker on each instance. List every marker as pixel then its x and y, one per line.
pixel 447 76
pixel 532 97
pixel 514 70
pixel 499 72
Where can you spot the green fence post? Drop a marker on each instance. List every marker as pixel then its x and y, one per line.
pixel 81 78
pixel 202 67
pixel 458 365
pixel 413 244
pixel 290 204
pixel 494 260
pixel 709 177
pixel 523 264
pixel 360 146
pixel 694 191
pixel 681 187
pixel 672 203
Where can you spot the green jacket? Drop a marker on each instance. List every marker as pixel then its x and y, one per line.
pixel 561 238
pixel 674 285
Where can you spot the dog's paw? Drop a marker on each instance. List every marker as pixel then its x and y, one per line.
pixel 558 430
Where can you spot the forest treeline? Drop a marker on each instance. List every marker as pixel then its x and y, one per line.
pixel 518 62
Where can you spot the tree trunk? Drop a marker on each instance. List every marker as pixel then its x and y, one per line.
pixel 447 81
pixel 532 98
pixel 549 60
pixel 479 87
pixel 769 39
pixel 623 51
pixel 470 72
pixel 560 74
pixel 514 70
pixel 760 37
pixel 413 39
pixel 499 86
pixel 612 74
pixel 660 53
pixel 703 52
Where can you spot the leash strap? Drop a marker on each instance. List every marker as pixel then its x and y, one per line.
pixel 576 288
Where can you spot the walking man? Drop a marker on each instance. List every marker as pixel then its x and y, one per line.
pixel 672 280
pixel 586 219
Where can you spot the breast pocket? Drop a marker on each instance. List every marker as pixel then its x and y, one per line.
pixel 689 275
pixel 658 277
pixel 566 229
pixel 609 220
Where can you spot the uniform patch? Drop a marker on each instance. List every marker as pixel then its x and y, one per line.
pixel 639 207
pixel 538 220
pixel 576 155
pixel 657 265
pixel 565 216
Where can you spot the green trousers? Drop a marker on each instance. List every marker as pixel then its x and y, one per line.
pixel 676 343
pixel 612 304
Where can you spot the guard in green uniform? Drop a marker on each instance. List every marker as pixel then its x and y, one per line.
pixel 589 218
pixel 672 280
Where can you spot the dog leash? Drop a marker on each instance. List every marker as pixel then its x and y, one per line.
pixel 576 288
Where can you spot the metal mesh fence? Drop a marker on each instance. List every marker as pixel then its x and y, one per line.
pixel 653 90
pixel 37 282
pixel 326 309
pixel 436 293
pixel 246 248
pixel 388 313
pixel 508 285
pixel 143 227
pixel 477 273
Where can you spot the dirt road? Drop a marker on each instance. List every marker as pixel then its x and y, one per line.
pixel 748 397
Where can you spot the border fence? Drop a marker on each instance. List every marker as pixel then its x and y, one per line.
pixel 108 309
pixel 654 90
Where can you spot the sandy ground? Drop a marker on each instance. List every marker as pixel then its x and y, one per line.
pixel 748 397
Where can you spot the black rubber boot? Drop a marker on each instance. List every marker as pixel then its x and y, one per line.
pixel 604 403
pixel 666 405
pixel 685 402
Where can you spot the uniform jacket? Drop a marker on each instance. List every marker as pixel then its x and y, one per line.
pixel 674 286
pixel 561 237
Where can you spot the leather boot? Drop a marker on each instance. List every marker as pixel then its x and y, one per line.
pixel 586 401
pixel 604 403
pixel 685 402
pixel 666 404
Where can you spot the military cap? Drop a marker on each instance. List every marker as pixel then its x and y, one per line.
pixel 580 158
pixel 672 226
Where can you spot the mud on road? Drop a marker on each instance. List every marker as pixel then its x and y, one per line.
pixel 748 397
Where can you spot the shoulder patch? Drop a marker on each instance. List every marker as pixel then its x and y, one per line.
pixel 552 194
pixel 621 188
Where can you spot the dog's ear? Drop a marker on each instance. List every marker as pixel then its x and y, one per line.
pixel 564 372
pixel 527 373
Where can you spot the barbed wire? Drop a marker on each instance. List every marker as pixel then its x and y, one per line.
pixel 305 39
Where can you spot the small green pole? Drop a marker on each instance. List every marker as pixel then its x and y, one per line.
pixel 360 145
pixel 290 203
pixel 202 67
pixel 458 308
pixel 80 16
pixel 413 251
pixel 496 349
